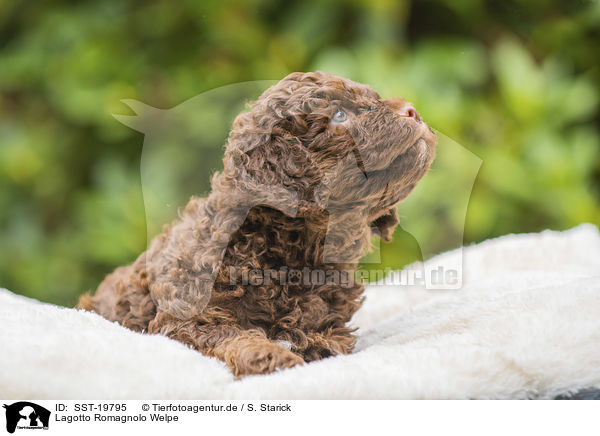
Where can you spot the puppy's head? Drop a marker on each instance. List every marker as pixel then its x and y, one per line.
pixel 334 142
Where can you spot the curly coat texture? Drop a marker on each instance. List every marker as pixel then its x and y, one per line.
pixel 316 166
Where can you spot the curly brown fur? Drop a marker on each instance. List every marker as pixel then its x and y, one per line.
pixel 298 190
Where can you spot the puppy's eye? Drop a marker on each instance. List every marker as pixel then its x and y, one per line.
pixel 339 117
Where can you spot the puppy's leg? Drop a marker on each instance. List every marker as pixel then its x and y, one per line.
pixel 252 353
pixel 329 343
pixel 124 297
pixel 246 352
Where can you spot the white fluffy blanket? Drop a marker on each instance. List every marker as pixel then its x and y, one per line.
pixel 526 324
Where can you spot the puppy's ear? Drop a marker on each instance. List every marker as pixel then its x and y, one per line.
pixel 282 107
pixel 386 224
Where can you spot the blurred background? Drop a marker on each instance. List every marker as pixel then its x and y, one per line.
pixel 515 82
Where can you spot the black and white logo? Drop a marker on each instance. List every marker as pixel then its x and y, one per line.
pixel 26 415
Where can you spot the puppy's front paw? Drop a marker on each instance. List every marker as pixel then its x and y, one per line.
pixel 264 359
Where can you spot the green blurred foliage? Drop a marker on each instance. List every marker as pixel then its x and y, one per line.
pixel 515 82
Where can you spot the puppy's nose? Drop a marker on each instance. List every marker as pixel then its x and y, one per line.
pixel 409 112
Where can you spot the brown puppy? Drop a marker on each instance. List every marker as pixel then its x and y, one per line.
pixel 317 165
